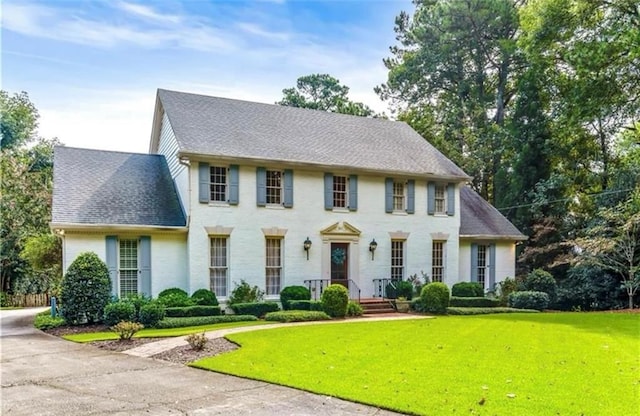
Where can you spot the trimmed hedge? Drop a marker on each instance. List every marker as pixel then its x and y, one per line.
pixel 203 320
pixel 468 302
pixel 257 309
pixel 119 311
pixel 354 309
pixel 198 310
pixel 435 297
pixel 175 300
pixel 529 299
pixel 335 300
pixel 296 316
pixel 172 291
pixel 541 281
pixel 484 311
pixel 204 297
pixel 467 290
pixel 291 293
pixel 151 313
pixel 305 305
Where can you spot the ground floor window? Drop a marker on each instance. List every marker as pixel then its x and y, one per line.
pixel 397 259
pixel 482 264
pixel 218 270
pixel 437 261
pixel 273 271
pixel 128 267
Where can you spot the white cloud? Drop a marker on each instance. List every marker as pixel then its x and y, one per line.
pixel 147 12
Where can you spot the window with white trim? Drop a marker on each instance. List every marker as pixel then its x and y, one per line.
pixel 273 271
pixel 218 183
pixel 440 199
pixel 218 266
pixel 437 261
pixel 482 264
pixel 274 187
pixel 340 192
pixel 397 259
pixel 399 196
pixel 128 267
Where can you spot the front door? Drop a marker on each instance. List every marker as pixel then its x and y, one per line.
pixel 340 263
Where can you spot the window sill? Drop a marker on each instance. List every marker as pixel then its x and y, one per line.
pixel 274 206
pixel 219 204
pixel 400 213
pixel 442 214
pixel 341 210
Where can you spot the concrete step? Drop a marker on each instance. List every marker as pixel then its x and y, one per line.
pixel 376 306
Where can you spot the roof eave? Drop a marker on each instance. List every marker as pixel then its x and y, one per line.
pixel 65 226
pixel 515 237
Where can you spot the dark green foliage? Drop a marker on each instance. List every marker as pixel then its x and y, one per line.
pixel 468 302
pixel 335 299
pixel 354 309
pixel 541 281
pixel 484 311
pixel 467 290
pixel 44 321
pixel 296 316
pixel 305 305
pixel 529 300
pixel 173 290
pixel 151 313
pixel 244 293
pixel 204 297
pixel 589 288
pixel 400 288
pixel 86 289
pixel 290 293
pixel 138 301
pixel 417 305
pixel 3 300
pixel 257 309
pixel 175 300
pixel 505 288
pixel 435 298
pixel 119 311
pixel 197 310
pixel 203 320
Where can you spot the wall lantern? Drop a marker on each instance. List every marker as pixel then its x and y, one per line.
pixel 307 246
pixel 372 247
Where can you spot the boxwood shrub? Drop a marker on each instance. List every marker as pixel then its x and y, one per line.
pixel 197 310
pixel 354 309
pixel 335 299
pixel 172 291
pixel 469 302
pixel 529 299
pixel 203 320
pixel 484 311
pixel 467 290
pixel 151 313
pixel 290 293
pixel 119 311
pixel 305 305
pixel 541 281
pixel 204 297
pixel 435 297
pixel 176 300
pixel 257 309
pixel 296 316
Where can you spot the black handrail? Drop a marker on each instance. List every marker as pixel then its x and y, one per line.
pixel 380 287
pixel 317 286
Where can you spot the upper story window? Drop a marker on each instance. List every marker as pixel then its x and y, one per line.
pixel 218 181
pixel 399 196
pixel 441 198
pixel 340 192
pixel 274 187
pixel 218 184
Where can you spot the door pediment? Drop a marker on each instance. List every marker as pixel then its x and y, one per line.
pixel 340 229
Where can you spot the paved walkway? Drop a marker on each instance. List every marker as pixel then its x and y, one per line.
pixel 153 348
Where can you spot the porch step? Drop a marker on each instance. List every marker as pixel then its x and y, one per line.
pixel 376 306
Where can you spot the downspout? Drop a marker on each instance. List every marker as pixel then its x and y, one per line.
pixel 184 161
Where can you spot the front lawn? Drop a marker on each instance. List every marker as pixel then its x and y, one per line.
pixel 515 364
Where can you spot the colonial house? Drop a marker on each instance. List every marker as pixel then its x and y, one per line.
pixel 276 196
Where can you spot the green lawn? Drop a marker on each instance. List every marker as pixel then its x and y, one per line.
pixel 515 364
pixel 159 333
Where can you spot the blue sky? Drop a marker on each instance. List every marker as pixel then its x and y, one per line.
pixel 92 67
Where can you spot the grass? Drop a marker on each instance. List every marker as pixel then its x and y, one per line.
pixel 158 333
pixel 511 364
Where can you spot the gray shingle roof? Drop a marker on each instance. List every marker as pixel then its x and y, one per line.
pixel 102 187
pixel 478 218
pixel 241 129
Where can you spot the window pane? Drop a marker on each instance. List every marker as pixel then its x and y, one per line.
pixel 274 187
pixel 437 256
pixel 273 271
pixel 482 264
pixel 440 200
pixel 397 259
pixel 218 266
pixel 340 191
pixel 398 196
pixel 128 267
pixel 218 184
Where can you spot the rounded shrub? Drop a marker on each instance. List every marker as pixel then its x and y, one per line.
pixel 151 314
pixel 541 281
pixel 204 297
pixel 175 300
pixel 171 291
pixel 335 299
pixel 290 293
pixel 435 298
pixel 119 311
pixel 86 289
pixel 529 300
pixel 138 300
pixel 354 309
pixel 467 290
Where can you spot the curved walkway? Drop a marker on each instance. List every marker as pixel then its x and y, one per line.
pixel 153 348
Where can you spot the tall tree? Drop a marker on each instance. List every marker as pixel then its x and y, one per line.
pixel 323 92
pixel 18 120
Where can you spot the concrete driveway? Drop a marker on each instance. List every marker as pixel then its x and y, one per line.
pixel 44 375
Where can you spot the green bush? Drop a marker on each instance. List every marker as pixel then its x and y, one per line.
pixel 305 305
pixel 541 281
pixel 197 310
pixel 335 299
pixel 151 313
pixel 467 290
pixel 296 316
pixel 416 305
pixel 44 321
pixel 171 291
pixel 257 309
pixel 119 311
pixel 505 288
pixel 484 311
pixel 529 300
pixel 126 329
pixel 473 302
pixel 244 293
pixel 86 289
pixel 204 297
pixel 354 309
pixel 290 293
pixel 4 302
pixel 175 300
pixel 435 298
pixel 138 301
pixel 203 320
pixel 399 288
